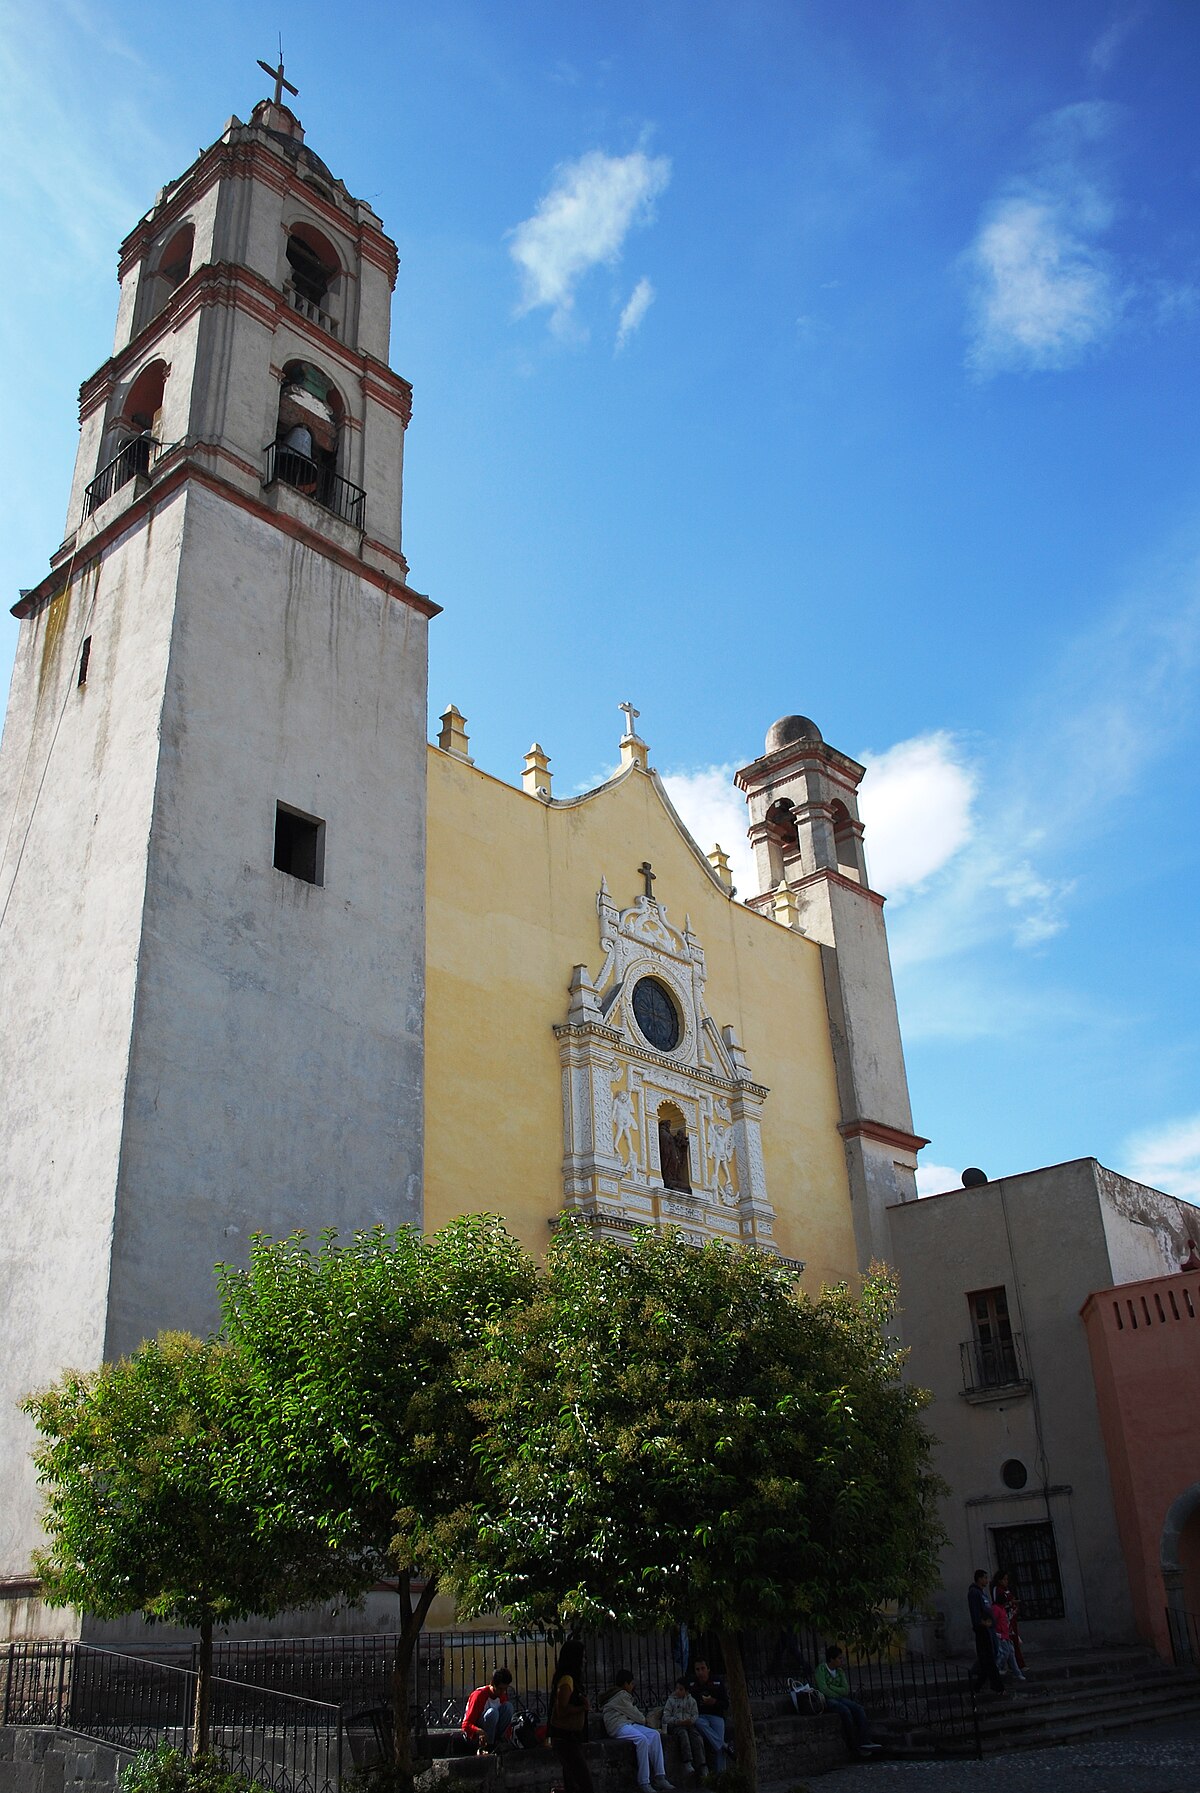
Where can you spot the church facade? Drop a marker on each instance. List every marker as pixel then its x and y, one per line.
pixel 252 978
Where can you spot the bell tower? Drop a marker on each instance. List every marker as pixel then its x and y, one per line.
pixel 812 875
pixel 212 786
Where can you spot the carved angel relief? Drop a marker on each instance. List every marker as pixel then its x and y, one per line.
pixel 661 1119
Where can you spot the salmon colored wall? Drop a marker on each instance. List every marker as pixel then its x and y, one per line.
pixel 512 885
pixel 1144 1339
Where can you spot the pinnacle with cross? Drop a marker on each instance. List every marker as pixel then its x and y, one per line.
pixel 276 75
pixel 631 715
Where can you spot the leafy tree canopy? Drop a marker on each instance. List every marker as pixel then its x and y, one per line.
pixel 682 1435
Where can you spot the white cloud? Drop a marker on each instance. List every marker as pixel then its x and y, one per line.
pixel 1043 290
pixel 714 812
pixel 916 803
pixel 936 1179
pixel 581 223
pixel 1167 1158
pixel 637 305
pixel 1103 52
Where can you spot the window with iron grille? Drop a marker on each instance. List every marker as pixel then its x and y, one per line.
pixel 1029 1555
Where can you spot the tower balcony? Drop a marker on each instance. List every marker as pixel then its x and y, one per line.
pixel 308 308
pixel 135 459
pixel 288 467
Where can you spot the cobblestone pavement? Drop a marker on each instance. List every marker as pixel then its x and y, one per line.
pixel 1161 1758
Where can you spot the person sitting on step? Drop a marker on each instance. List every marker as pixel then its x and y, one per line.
pixel 625 1720
pixel 834 1683
pixel 679 1715
pixel 488 1719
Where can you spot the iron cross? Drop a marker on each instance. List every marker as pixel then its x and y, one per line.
pixel 648 875
pixel 631 715
pixel 276 75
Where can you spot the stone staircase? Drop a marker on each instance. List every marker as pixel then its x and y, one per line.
pixel 1066 1697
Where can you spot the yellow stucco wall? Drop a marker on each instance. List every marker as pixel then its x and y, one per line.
pixel 512 886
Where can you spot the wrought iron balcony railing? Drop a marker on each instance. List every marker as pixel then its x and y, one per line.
pixel 137 456
pixel 286 466
pixel 997 1363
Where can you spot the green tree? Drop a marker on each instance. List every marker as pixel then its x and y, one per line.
pixel 682 1436
pixel 155 1504
pixel 372 1362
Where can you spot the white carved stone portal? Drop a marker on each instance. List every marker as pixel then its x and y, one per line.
pixel 617 1086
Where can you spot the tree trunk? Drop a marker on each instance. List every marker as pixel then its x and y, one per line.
pixel 202 1715
pixel 745 1741
pixel 414 1619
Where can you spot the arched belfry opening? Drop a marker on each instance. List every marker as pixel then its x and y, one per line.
pixel 847 843
pixel 314 275
pixel 134 438
pixel 308 432
pixel 674 1149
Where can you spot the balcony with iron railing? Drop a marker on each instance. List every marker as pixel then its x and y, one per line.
pixel 308 308
pixel 993 1368
pixel 288 467
pixel 135 459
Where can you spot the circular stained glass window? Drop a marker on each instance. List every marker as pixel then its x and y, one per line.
pixel 656 1014
pixel 1014 1473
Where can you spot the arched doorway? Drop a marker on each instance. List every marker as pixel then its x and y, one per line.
pixel 1180 1558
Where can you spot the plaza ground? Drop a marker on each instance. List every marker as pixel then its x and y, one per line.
pixel 1163 1758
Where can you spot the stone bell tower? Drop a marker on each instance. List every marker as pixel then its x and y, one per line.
pixel 212 796
pixel 812 875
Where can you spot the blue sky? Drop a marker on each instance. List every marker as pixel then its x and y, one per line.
pixel 768 356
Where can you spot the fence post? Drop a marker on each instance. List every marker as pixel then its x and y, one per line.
pixel 189 1701
pixel 8 1678
pixel 62 1676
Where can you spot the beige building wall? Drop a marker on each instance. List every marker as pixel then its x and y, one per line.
pixel 512 908
pixel 1048 1237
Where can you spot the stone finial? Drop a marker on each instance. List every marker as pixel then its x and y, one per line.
pixel 785 907
pixel 585 1004
pixel 453 735
pixel 535 779
pixel 718 858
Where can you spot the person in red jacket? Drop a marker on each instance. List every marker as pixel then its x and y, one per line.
pixel 488 1719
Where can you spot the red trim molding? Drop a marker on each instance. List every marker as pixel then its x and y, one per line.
pixel 882 1135
pixel 832 877
pixel 170 482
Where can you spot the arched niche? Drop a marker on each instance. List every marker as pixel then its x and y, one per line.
pixel 674 1149
pixel 141 411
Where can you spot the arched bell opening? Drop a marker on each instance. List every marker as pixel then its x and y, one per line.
pixel 133 438
pixel 314 275
pixel 308 432
pixel 847 844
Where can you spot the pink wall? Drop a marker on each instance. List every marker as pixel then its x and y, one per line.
pixel 1144 1339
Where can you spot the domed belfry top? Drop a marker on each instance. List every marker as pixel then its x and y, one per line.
pixel 251 347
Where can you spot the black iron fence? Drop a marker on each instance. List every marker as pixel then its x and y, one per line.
pixel 1183 1628
pixel 137 456
pixel 316 480
pixel 285 1742
pixel 992 1363
pixel 926 1702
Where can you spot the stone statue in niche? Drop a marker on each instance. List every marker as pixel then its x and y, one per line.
pixel 674 1156
pixel 720 1137
pixel 624 1120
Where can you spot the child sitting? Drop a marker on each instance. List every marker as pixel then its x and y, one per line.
pixel 679 1715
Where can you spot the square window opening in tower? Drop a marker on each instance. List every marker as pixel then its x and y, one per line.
pixel 299 844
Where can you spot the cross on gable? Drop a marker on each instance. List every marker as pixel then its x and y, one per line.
pixel 648 875
pixel 631 715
